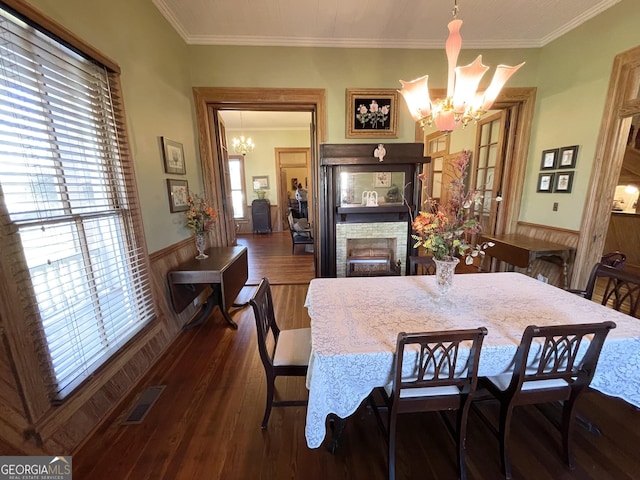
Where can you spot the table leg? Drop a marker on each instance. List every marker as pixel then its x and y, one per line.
pixel 202 315
pixel 213 300
pixel 227 317
pixel 336 424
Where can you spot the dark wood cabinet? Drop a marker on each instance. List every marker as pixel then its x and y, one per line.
pixel 261 216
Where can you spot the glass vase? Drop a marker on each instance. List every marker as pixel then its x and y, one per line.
pixel 200 245
pixel 445 270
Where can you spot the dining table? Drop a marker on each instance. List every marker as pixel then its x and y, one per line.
pixel 355 322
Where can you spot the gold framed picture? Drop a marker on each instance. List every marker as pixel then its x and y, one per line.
pixel 372 113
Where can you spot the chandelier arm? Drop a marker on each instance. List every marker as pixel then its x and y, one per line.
pixel 462 103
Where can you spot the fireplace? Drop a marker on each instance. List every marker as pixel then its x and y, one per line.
pixel 366 206
pixel 364 249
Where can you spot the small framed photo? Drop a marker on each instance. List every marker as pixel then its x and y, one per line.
pixel 545 182
pixel 564 181
pixel 261 182
pixel 383 179
pixel 178 191
pixel 372 113
pixel 173 154
pixel 549 159
pixel 568 157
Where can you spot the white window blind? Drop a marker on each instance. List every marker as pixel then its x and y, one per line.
pixel 65 193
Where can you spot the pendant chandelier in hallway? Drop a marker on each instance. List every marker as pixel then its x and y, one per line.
pixel 242 145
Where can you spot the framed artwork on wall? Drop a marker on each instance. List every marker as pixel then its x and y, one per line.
pixel 173 155
pixel 568 157
pixel 260 182
pixel 545 182
pixel 178 191
pixel 564 182
pixel 549 159
pixel 372 113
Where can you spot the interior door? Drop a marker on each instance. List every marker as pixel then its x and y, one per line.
pixel 488 167
pixel 226 215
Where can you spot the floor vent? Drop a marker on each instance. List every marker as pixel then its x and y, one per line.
pixel 143 405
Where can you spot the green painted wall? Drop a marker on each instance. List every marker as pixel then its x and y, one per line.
pixel 336 69
pixel 262 161
pixel 572 81
pixel 159 69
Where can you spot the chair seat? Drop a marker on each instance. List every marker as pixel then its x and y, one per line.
pixel 293 348
pixel 302 238
pixel 425 391
pixel 502 383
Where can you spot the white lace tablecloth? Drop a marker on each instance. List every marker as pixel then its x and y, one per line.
pixel 355 323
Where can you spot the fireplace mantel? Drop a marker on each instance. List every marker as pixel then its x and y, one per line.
pixel 402 160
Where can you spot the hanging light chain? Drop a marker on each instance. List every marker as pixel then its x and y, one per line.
pixel 455 9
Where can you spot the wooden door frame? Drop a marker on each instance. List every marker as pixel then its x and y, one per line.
pixel 282 189
pixel 239 98
pixel 522 100
pixel 621 104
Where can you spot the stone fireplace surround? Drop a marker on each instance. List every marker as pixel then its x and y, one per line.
pixel 396 231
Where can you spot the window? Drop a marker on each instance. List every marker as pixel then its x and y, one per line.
pixel 236 171
pixel 67 204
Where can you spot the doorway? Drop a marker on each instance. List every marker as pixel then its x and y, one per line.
pixel 622 104
pixel 294 167
pixel 209 100
pixel 504 141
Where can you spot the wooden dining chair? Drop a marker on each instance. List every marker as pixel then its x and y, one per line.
pixel 299 235
pixel 283 352
pixel 620 289
pixel 421 265
pixel 549 366
pixel 444 377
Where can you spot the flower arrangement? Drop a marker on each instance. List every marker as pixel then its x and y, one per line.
pixel 200 216
pixel 374 114
pixel 444 231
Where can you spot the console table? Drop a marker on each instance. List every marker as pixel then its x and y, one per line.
pixel 225 271
pixel 520 251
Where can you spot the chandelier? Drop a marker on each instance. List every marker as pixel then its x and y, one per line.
pixel 242 145
pixel 463 103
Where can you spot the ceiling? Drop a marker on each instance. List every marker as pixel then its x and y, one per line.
pixel 376 23
pixel 368 24
pixel 236 121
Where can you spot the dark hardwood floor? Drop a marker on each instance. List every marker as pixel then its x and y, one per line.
pixel 206 424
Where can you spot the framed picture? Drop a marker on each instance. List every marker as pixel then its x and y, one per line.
pixel 294 183
pixel 173 154
pixel 568 157
pixel 261 182
pixel 549 159
pixel 178 191
pixel 545 182
pixel 564 181
pixel 383 179
pixel 372 113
